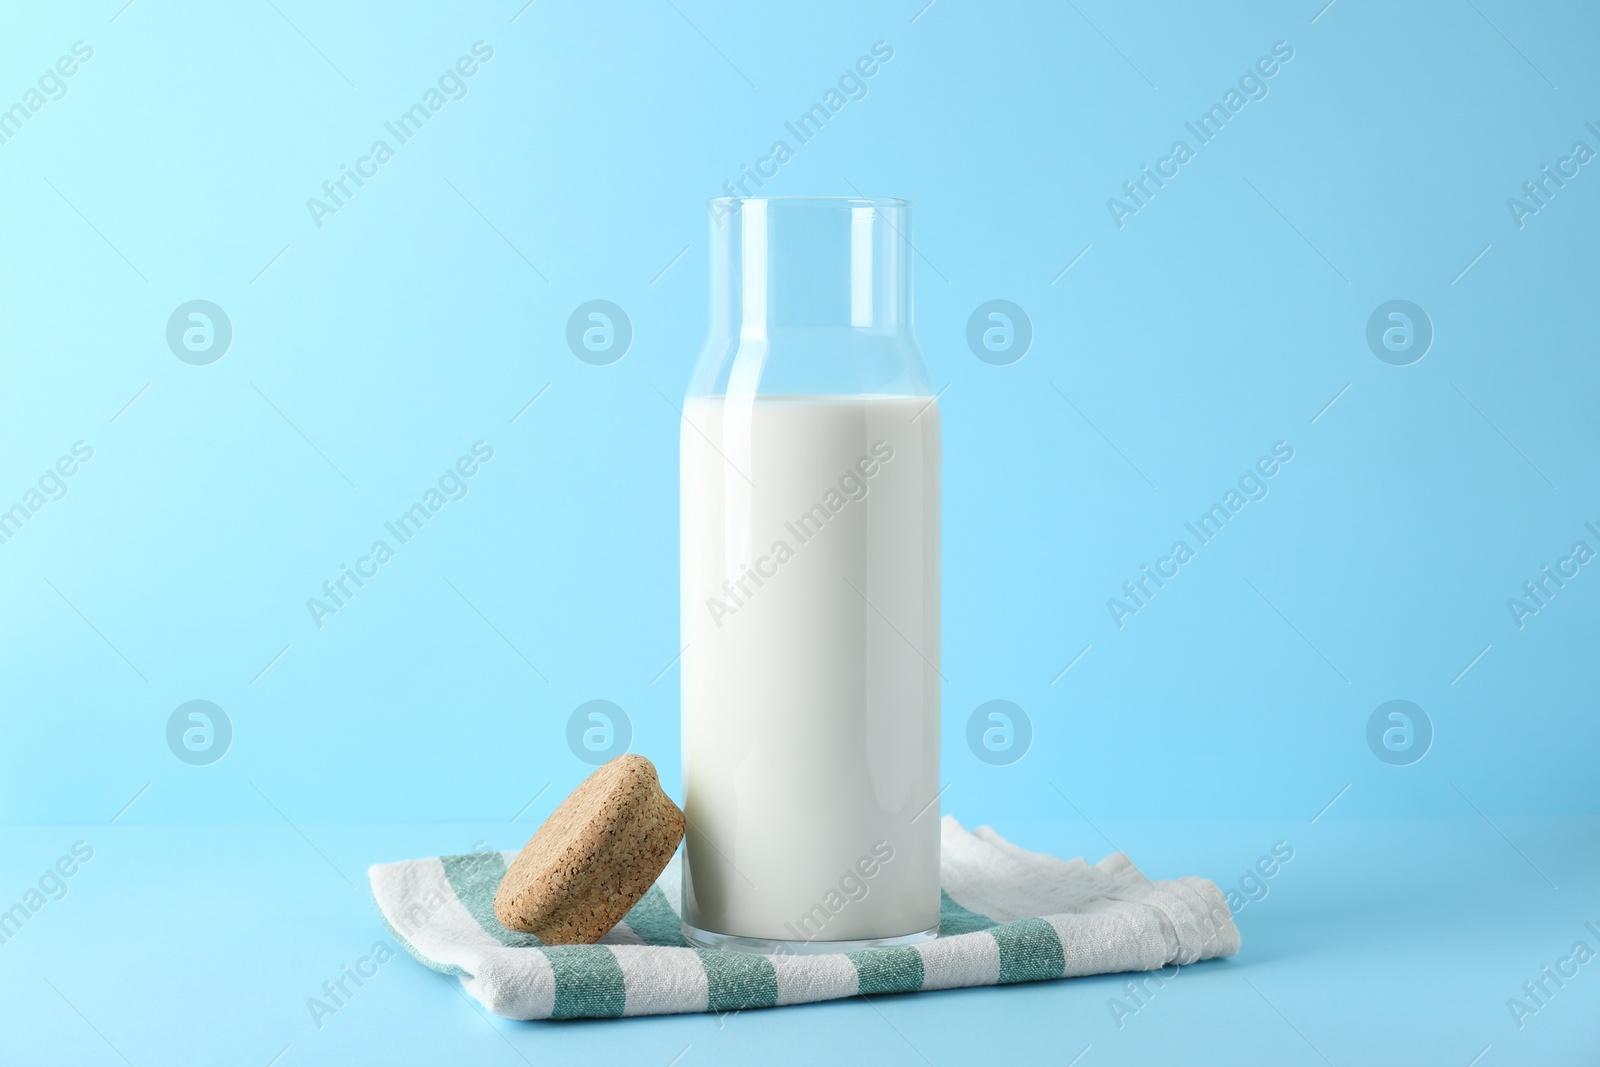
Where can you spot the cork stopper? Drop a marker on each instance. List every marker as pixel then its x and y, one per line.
pixel 594 857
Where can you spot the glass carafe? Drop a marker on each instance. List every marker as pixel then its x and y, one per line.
pixel 810 587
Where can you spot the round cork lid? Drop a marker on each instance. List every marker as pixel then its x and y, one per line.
pixel 594 857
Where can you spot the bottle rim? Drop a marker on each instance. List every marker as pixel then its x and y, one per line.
pixel 817 201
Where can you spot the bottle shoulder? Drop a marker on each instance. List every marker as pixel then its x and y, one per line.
pixel 816 362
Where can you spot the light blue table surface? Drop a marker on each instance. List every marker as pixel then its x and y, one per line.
pixel 1381 941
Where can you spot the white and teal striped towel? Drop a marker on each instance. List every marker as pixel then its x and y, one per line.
pixel 1009 915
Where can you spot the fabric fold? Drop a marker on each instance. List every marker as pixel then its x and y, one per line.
pixel 1007 915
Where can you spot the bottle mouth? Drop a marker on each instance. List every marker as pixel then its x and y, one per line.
pixel 734 202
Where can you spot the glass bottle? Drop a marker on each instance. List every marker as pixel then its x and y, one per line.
pixel 809 462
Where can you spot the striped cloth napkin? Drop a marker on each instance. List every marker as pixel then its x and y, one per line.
pixel 1008 915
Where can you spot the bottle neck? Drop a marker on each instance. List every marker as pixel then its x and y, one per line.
pixel 810 266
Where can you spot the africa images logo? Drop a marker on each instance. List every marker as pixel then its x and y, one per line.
pixel 1399 733
pixel 199 732
pixel 451 85
pixel 199 332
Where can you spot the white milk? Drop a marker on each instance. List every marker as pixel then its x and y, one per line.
pixel 810 530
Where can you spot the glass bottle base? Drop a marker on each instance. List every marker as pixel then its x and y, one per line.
pixel 699 938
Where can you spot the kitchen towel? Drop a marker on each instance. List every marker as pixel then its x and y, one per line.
pixel 1008 915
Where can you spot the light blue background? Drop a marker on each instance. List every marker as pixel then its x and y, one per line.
pixel 369 353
